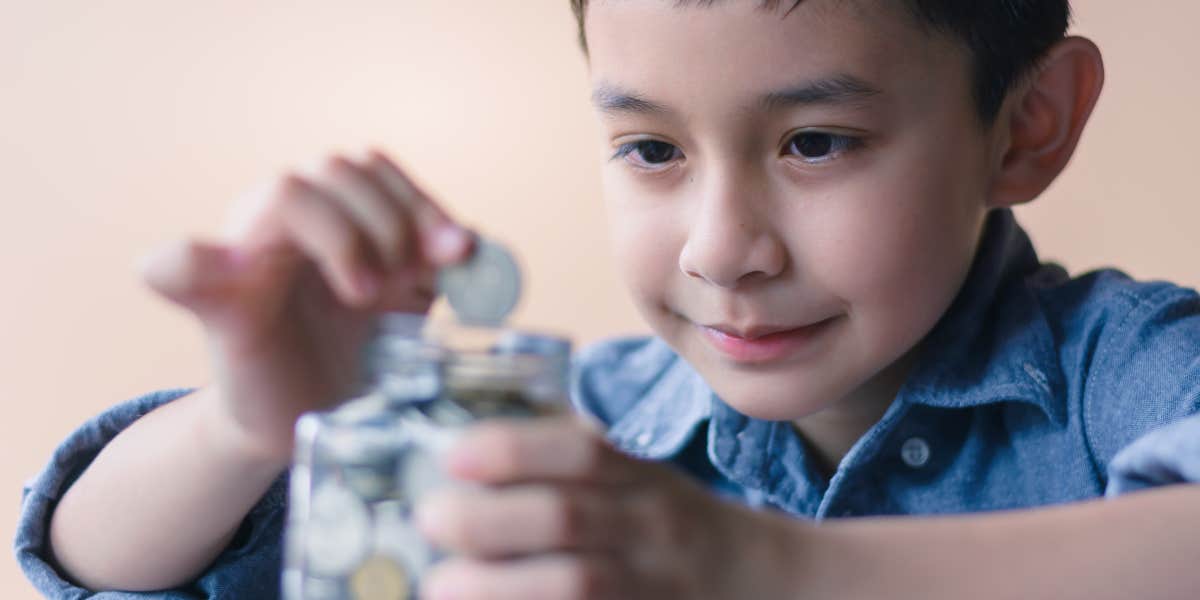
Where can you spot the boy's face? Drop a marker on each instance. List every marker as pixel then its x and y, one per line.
pixel 839 216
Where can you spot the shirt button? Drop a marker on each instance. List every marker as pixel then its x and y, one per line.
pixel 915 452
pixel 643 439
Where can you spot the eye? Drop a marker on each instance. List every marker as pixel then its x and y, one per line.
pixel 819 146
pixel 648 154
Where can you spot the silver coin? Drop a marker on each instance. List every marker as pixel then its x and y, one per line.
pixel 316 588
pixel 484 289
pixel 337 535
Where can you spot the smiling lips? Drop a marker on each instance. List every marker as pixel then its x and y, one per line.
pixel 761 344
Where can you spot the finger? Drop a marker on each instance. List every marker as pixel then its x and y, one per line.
pixel 410 290
pixel 330 237
pixel 387 223
pixel 520 520
pixel 546 577
pixel 441 240
pixel 512 451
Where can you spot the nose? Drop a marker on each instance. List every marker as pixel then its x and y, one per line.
pixel 732 240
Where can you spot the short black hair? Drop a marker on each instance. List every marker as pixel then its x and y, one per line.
pixel 1006 38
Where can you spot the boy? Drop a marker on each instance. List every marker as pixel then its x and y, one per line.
pixel 811 207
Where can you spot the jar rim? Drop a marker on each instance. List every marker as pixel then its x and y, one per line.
pixel 416 330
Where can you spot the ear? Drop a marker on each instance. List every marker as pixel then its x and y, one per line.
pixel 1042 120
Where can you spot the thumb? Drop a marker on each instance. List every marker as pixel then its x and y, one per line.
pixel 193 274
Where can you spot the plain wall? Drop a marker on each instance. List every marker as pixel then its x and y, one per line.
pixel 129 123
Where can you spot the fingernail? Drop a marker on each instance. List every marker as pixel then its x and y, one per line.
pixel 449 243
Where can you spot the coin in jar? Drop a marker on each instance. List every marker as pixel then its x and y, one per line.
pixel 485 288
pixel 372 482
pixel 419 472
pixel 396 537
pixel 380 578
pixel 337 535
pixel 316 588
pixel 485 403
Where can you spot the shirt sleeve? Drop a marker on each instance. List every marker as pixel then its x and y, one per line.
pixel 1165 456
pixel 1143 394
pixel 248 568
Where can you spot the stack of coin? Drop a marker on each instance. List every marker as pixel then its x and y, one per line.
pixel 465 402
pixel 485 402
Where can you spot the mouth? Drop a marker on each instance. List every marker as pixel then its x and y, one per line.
pixel 762 344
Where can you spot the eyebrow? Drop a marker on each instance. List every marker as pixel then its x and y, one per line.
pixel 612 99
pixel 838 89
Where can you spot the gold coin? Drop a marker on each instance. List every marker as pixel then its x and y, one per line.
pixel 380 578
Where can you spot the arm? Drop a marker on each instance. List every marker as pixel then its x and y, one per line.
pixel 287 307
pixel 1138 546
pixel 120 525
pixel 1133 545
pixel 598 524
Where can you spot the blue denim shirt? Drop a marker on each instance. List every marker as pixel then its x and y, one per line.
pixel 1034 388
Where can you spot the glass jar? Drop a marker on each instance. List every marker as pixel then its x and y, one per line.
pixel 359 470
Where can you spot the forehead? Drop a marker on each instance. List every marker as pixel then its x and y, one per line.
pixel 733 50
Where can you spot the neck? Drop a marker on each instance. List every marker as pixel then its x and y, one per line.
pixel 831 432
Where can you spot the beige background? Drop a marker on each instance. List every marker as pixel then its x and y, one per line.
pixel 127 123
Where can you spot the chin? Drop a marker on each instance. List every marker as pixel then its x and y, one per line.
pixel 783 399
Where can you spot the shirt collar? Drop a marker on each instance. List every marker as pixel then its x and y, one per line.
pixel 992 345
pixel 670 411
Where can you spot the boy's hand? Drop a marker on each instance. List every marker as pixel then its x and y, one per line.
pixel 289 302
pixel 563 515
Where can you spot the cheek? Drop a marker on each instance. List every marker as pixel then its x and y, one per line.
pixel 645 240
pixel 899 258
